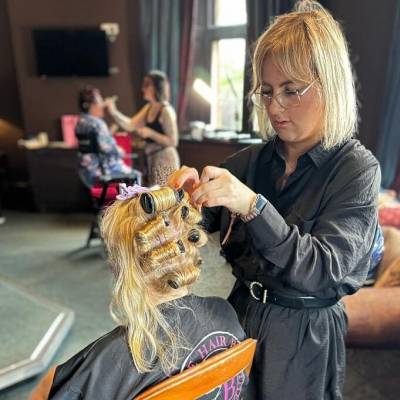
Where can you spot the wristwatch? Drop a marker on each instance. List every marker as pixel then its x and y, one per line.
pixel 256 208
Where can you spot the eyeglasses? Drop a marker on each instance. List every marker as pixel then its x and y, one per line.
pixel 286 99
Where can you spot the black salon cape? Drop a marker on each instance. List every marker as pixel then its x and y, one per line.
pixel 105 370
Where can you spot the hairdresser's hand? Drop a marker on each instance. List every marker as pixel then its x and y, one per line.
pixel 185 178
pixel 218 187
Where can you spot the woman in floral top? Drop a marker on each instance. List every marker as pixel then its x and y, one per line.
pixel 91 105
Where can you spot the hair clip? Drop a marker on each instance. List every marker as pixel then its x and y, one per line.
pixel 184 212
pixel 173 284
pixel 128 192
pixel 165 218
pixel 181 246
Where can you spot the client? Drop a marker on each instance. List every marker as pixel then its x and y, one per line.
pixel 152 240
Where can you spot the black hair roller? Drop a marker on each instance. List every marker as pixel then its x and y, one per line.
pixel 147 203
pixel 194 235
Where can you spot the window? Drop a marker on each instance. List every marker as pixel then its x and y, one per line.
pixel 220 60
pixel 230 12
pixel 227 67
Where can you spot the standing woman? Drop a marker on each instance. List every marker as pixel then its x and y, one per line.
pixel 298 214
pixel 156 123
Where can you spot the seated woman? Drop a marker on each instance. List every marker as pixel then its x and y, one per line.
pixel 91 105
pixel 152 239
pixel 156 123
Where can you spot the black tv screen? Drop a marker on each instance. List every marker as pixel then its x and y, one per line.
pixel 71 52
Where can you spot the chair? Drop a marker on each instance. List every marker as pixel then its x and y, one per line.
pixel 124 141
pixel 105 189
pixel 206 376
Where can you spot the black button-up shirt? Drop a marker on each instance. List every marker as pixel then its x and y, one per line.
pixel 314 236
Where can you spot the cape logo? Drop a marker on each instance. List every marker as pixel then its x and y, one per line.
pixel 209 346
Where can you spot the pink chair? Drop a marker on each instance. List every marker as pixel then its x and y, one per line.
pixel 124 141
pixel 68 124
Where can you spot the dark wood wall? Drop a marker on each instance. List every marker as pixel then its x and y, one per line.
pixel 43 101
pixel 29 104
pixel 10 106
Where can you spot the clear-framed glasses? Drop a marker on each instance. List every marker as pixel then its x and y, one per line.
pixel 286 99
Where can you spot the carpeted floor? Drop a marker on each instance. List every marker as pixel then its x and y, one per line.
pixel 40 252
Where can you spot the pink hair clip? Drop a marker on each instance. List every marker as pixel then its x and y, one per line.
pixel 128 192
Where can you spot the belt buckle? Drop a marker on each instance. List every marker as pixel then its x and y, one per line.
pixel 265 292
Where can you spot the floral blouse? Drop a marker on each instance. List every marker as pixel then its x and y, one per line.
pixel 112 162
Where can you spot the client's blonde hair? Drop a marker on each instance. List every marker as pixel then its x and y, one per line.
pixel 152 243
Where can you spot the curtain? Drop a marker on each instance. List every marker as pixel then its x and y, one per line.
pixel 259 14
pixel 189 18
pixel 166 42
pixel 389 145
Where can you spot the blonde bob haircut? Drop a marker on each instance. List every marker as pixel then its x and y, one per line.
pixel 308 45
pixel 153 252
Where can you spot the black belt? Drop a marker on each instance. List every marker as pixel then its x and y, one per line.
pixel 264 295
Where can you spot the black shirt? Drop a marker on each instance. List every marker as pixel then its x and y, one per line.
pixel 316 235
pixel 105 370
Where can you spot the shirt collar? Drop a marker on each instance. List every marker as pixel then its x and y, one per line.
pixel 318 155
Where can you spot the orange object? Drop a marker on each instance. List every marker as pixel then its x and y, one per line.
pixel 206 376
pixel 42 390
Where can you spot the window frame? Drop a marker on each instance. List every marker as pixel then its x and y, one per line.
pixel 206 33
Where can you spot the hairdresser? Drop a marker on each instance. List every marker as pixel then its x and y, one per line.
pixel 297 214
pixel 156 123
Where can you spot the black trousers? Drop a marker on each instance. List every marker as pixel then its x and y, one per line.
pixel 300 354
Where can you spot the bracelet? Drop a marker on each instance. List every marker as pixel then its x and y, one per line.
pixel 251 214
pixel 256 208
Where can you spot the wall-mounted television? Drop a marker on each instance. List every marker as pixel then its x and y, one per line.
pixel 71 52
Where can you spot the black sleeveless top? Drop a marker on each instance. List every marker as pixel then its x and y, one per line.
pixel 155 124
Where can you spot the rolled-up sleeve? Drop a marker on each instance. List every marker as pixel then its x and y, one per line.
pixel 331 245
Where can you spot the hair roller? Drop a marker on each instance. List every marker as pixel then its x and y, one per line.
pixel 160 200
pixel 177 279
pixel 197 237
pixel 164 254
pixel 155 231
pixel 190 215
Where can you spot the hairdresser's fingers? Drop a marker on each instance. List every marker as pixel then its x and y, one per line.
pixel 185 178
pixel 206 188
pixel 224 190
pixel 210 172
pixel 214 198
